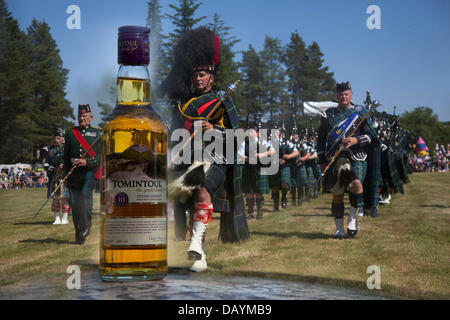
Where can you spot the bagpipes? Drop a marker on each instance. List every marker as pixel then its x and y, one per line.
pixel 340 132
pixel 205 107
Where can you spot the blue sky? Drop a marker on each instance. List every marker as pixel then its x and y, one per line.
pixel 406 63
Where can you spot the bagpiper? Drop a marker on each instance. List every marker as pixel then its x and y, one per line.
pixel 206 186
pixel 357 169
pixel 53 156
pixel 283 181
pixel 254 182
pixel 300 172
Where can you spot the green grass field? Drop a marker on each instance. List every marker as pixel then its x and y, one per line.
pixel 408 241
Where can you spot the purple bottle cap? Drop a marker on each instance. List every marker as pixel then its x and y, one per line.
pixel 133 45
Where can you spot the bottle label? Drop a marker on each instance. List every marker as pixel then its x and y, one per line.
pixel 135 231
pixel 124 189
pixel 134 176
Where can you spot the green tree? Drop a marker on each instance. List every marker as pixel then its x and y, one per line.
pixel 15 90
pixel 228 71
pixel 159 58
pixel 50 108
pixel 319 84
pixel 183 18
pixel 424 123
pixel 108 101
pixel 294 57
pixel 274 79
pixel 253 88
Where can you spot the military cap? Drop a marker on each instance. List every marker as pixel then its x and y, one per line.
pixel 343 86
pixel 84 108
pixel 60 132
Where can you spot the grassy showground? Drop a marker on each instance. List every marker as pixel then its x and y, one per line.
pixel 408 241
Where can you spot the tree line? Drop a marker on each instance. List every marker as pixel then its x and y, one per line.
pixel 275 80
pixel 32 88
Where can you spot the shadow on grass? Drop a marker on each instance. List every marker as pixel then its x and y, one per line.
pixel 322 208
pixel 311 215
pixel 34 223
pixel 302 235
pixel 434 206
pixel 47 240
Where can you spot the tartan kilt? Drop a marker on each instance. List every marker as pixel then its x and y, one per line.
pixel 54 181
pixel 401 168
pixel 263 186
pixel 317 171
pixel 360 169
pixel 310 172
pixel 301 176
pixel 286 175
pixel 396 182
pixel 223 183
pixel 253 181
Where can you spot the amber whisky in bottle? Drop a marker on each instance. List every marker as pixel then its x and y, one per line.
pixel 133 242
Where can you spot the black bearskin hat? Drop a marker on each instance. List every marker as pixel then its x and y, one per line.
pixel 196 50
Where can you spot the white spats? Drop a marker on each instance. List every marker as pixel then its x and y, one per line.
pixel 198 231
pixel 352 222
pixel 340 233
pixel 199 265
pixel 202 215
pixel 64 218
pixel 57 220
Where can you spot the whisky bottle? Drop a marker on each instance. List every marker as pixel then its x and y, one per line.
pixel 133 242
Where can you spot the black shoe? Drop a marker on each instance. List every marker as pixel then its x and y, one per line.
pixel 79 239
pixel 86 232
pixel 351 233
pixel 250 216
pixel 284 205
pixel 339 237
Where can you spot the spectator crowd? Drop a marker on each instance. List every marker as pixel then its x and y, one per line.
pixel 438 162
pixel 23 178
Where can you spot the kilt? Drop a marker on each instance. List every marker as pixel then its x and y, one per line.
pixel 301 176
pixel 401 168
pixel 54 181
pixel 310 173
pixel 286 175
pixel 317 171
pixel 253 181
pixel 359 168
pixel 390 171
